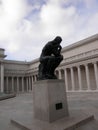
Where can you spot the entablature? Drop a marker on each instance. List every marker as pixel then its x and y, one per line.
pixel 86 55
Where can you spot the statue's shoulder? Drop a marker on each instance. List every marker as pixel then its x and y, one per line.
pixel 48 45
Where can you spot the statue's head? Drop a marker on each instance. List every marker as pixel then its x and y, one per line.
pixel 58 39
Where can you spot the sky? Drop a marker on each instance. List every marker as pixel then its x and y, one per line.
pixel 27 25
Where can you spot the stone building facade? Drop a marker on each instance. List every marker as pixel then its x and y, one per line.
pixel 79 69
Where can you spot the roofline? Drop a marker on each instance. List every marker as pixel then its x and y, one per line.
pixel 34 61
pixel 69 47
pixel 80 43
pixel 2 49
pixel 15 62
pixel 21 62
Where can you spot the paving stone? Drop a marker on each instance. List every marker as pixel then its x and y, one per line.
pixel 23 102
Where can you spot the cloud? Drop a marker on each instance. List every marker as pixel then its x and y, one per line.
pixel 55 19
pixel 26 25
pixel 11 12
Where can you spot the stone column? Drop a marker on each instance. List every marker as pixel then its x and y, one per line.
pixel 32 83
pixel 12 84
pixel 17 84
pixel 32 79
pixel 79 78
pixel 2 78
pixel 35 78
pixel 96 74
pixel 22 84
pixel 7 89
pixel 27 84
pixel 72 79
pixel 66 79
pixel 87 76
pixel 60 76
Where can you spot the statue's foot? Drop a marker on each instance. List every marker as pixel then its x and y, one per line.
pixel 44 77
pixel 54 77
pixel 47 76
pixel 41 77
pixel 51 76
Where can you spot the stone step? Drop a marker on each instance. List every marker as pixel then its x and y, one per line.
pixel 92 125
pixel 71 123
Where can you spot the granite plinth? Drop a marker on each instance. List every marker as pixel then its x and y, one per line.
pixel 49 100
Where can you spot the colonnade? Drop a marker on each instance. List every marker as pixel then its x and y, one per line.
pixel 78 77
pixel 19 84
pixel 83 77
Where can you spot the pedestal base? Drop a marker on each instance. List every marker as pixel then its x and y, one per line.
pixel 50 105
pixel 76 119
pixel 49 100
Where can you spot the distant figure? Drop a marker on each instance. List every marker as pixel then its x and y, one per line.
pixel 50 58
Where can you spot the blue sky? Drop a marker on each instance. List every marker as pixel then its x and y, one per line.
pixel 27 25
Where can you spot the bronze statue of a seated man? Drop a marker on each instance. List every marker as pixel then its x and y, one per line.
pixel 50 58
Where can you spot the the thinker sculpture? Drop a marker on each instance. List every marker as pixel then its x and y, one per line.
pixel 50 58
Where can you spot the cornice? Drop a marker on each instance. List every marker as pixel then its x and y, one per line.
pixel 89 54
pixel 82 60
pixel 14 71
pixel 33 61
pixel 15 62
pixel 83 57
pixel 2 49
pixel 80 43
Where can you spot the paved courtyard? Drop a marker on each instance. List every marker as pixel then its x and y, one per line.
pixel 23 102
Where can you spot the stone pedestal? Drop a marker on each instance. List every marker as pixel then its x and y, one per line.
pixel 49 100
pixel 50 110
